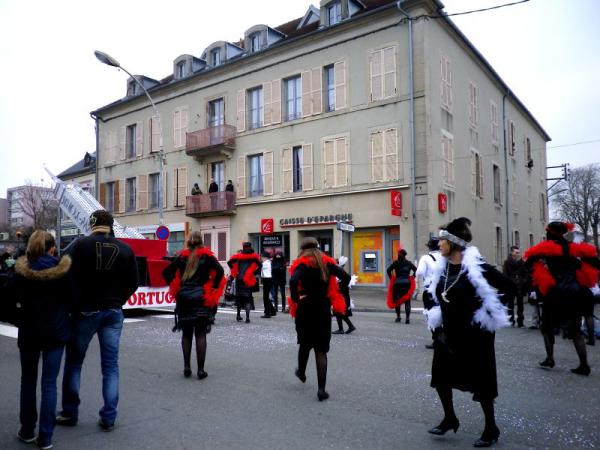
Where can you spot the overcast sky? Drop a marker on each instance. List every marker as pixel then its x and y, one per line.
pixel 545 50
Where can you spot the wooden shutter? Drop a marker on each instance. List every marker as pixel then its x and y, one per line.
pixel 443 93
pixel 276 101
pixel 480 180
pixel 268 173
pixel 181 191
pixel 389 68
pixel 287 166
pixel 307 168
pixel 122 193
pixel 207 240
pixel 305 78
pixel 339 70
pixel 267 103
pixel 391 154
pixel 184 125
pixel 341 162
pixel 317 91
pixel 139 138
pixel 142 192
pixel 122 142
pixel 473 172
pixel 221 246
pixel 241 177
pixel 377 156
pixel 241 110
pixel 329 163
pixel 102 197
pixel 154 134
pixel 375 62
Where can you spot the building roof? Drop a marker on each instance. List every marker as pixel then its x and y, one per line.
pixel 86 165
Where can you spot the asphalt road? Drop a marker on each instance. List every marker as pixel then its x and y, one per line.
pixel 378 381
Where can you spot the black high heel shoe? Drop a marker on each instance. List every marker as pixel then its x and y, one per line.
pixel 300 376
pixel 445 426
pixel 187 372
pixel 582 370
pixel 202 374
pixel 488 437
pixel 323 395
pixel 548 363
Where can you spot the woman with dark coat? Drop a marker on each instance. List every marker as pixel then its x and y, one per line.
pixel 314 293
pixel 402 285
pixel 196 282
pixel 43 288
pixel 278 269
pixel 345 290
pixel 245 266
pixel 466 313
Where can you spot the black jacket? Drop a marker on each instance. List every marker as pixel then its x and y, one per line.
pixel 278 268
pixel 105 272
pixel 403 269
pixel 46 297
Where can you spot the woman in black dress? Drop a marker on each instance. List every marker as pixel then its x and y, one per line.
pixel 314 293
pixel 196 282
pixel 402 285
pixel 466 314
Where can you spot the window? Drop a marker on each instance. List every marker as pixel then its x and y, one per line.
pixel 216 112
pixel 473 109
pixel 180 70
pixel 542 207
pixel 476 173
pixel 133 88
pixel 109 197
pixel 335 161
pixel 494 121
pixel 531 240
pixel 498 259
pixel 297 162
pixel 511 138
pixel 334 13
pixel 528 156
pixel 446 83
pixel 384 155
pixel 130 194
pixel 256 175
pixel 515 191
pixel 254 42
pixel 215 57
pixel 180 126
pixel 516 238
pixel 497 190
pixel 130 140
pixel 330 88
pixel 448 158
pixel 293 96
pixel 447 121
pixel 153 193
pixel 382 64
pixel 217 173
pixel 255 108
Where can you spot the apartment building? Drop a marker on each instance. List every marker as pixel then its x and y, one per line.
pixel 313 122
pixel 29 205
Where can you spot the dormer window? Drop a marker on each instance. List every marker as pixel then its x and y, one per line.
pixel 215 57
pixel 334 13
pixel 132 88
pixel 180 70
pixel 254 42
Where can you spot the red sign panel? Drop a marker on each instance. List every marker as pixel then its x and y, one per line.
pixel 442 203
pixel 267 226
pixel 396 203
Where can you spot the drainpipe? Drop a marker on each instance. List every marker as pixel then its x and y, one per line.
pixel 506 180
pixel 96 129
pixel 413 169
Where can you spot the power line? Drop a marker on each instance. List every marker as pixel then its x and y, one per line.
pixel 462 13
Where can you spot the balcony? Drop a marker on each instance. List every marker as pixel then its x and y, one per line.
pixel 215 204
pixel 218 140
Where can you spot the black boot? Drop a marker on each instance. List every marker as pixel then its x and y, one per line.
pixel 488 437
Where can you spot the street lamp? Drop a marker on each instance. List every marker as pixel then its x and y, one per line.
pixel 105 58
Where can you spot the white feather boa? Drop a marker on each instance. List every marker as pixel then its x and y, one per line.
pixel 492 313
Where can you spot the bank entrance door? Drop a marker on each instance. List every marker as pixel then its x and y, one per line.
pixel 324 237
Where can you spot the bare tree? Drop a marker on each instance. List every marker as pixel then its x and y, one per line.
pixel 578 199
pixel 38 203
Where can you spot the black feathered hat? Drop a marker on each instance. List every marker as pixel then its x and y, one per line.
pixel 457 231
pixel 558 229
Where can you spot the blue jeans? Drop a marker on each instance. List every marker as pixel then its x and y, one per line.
pixel 51 360
pixel 108 324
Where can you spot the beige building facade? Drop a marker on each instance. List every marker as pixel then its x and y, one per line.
pixel 311 121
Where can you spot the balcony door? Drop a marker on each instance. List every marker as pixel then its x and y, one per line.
pixel 216 113
pixel 218 242
pixel 217 173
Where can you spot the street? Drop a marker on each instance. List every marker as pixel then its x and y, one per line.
pixel 378 380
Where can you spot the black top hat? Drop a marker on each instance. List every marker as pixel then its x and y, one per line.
pixel 459 228
pixel 558 229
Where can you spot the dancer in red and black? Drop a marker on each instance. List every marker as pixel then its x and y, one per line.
pixel 402 285
pixel 563 273
pixel 196 282
pixel 344 289
pixel 314 293
pixel 245 266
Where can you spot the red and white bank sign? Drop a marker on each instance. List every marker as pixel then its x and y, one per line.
pixel 147 296
pixel 267 226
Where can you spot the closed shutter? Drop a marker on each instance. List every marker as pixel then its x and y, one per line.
pixel 122 188
pixel 176 128
pixel 473 172
pixel 154 134
pixel 115 199
pixel 181 185
pixel 267 104
pixel 339 70
pixel 286 174
pixel 241 111
pixel 375 61
pixel 443 92
pixel 306 93
pixel 221 246
pixel 102 197
pixel 184 125
pixel 207 240
pixel 241 177
pixel 449 82
pixel 142 192
pixel 389 67
pixel 307 168
pixel 276 101
pixel 341 162
pixel 122 142
pixel 139 138
pixel 268 173
pixel 391 154
pixel 329 163
pixel 377 156
pixel 317 91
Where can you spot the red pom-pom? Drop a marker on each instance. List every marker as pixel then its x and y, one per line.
pixel 570 226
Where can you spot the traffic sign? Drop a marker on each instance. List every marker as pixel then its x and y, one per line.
pixel 342 226
pixel 162 233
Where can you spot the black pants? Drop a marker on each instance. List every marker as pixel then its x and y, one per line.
pixel 279 285
pixel 267 285
pixel 511 309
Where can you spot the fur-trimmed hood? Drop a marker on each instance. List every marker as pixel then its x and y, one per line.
pixel 52 273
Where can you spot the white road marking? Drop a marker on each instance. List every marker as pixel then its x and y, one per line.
pixel 9 330
pixel 133 320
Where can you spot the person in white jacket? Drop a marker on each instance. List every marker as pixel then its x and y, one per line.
pixel 425 272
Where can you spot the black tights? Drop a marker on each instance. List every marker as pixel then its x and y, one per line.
pixel 248 307
pixel 406 310
pixel 320 359
pixel 487 405
pixel 578 342
pixel 186 346
pixel 344 318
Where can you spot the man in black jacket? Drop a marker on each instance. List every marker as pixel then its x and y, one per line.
pixel 105 273
pixel 514 268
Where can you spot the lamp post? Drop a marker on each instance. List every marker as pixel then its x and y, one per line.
pixel 105 58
